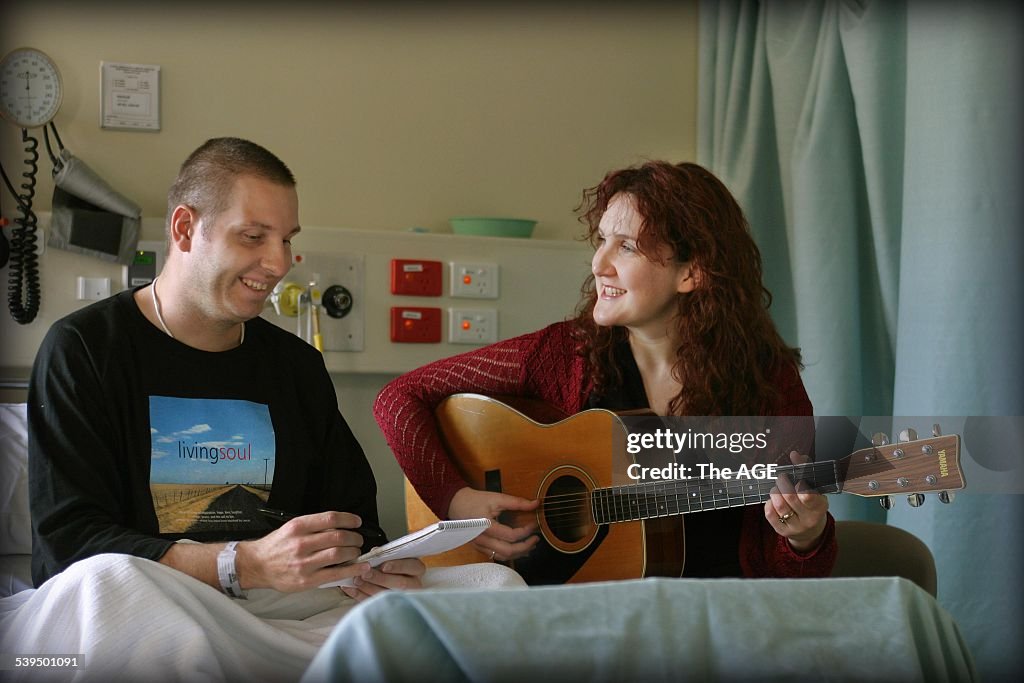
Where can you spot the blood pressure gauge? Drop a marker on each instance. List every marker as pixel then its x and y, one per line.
pixel 30 88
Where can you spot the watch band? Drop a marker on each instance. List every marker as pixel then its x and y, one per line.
pixel 227 573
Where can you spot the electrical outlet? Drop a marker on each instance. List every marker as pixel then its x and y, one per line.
pixel 474 280
pixel 472 325
pixel 416 278
pixel 414 325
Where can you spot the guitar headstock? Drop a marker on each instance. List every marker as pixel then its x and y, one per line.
pixel 916 466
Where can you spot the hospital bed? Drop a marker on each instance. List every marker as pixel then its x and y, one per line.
pixel 860 628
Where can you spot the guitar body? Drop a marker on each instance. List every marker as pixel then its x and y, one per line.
pixel 499 449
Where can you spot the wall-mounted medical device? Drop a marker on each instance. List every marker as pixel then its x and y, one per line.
pixel 31 92
pixel 322 300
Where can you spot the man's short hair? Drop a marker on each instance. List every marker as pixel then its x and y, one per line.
pixel 207 177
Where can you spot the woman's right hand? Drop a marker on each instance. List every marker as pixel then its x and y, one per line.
pixel 500 542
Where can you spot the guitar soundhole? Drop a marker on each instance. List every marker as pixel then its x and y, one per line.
pixel 567 509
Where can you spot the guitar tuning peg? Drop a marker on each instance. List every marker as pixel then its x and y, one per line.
pixel 916 500
pixel 947 496
pixel 936 430
pixel 908 434
pixel 885 502
pixel 879 439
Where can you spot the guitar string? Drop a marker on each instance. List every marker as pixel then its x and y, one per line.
pixel 621 511
pixel 621 501
pixel 658 501
pixel 680 484
pixel 624 510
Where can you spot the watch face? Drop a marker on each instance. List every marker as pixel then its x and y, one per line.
pixel 30 88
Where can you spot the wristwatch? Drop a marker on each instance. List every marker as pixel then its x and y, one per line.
pixel 227 573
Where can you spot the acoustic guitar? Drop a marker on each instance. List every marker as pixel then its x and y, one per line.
pixel 594 528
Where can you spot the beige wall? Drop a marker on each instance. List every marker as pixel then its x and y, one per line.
pixel 392 116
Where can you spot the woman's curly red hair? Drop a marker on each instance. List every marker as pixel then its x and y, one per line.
pixel 729 348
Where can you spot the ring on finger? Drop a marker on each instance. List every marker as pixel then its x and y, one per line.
pixel 785 518
pixel 493 553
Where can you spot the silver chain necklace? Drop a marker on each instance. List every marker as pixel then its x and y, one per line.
pixel 160 316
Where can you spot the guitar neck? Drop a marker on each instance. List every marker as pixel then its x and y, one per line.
pixel 698 494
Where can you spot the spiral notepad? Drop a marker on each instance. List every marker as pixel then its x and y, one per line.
pixel 437 538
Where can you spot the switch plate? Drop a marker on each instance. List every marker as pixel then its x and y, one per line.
pixel 92 288
pixel 415 325
pixel 472 325
pixel 474 280
pixel 416 278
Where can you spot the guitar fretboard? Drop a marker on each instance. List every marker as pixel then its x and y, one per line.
pixel 681 496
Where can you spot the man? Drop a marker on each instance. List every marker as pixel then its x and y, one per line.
pixel 168 420
pixel 179 389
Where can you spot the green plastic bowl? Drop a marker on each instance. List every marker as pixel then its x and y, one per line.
pixel 493 227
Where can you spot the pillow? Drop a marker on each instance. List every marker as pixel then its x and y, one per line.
pixel 15 523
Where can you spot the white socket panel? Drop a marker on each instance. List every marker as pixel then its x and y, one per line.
pixel 473 280
pixel 92 288
pixel 472 325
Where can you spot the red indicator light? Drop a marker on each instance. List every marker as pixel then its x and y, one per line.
pixel 466 324
pixel 467 279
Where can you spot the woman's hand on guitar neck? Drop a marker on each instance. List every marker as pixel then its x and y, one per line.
pixel 500 542
pixel 797 512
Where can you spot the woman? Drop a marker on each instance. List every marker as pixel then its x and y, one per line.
pixel 674 318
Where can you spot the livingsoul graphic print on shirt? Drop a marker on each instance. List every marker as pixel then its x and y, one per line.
pixel 212 463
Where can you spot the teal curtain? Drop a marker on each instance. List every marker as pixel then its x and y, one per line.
pixel 876 148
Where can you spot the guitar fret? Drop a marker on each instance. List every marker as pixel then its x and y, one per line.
pixel 716 492
pixel 664 495
pixel 751 492
pixel 734 491
pixel 697 496
pixel 595 500
pixel 707 490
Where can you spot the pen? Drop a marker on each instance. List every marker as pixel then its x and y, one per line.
pixel 375 536
pixel 279 515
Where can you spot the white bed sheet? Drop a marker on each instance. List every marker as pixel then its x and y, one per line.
pixel 134 619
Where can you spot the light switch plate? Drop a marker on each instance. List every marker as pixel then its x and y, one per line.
pixel 92 288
